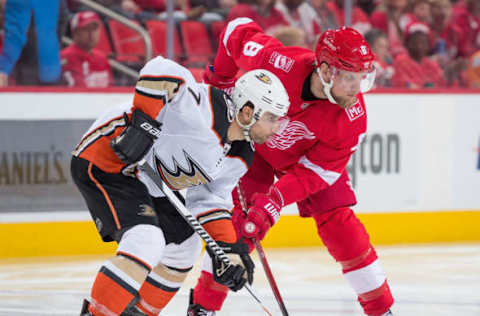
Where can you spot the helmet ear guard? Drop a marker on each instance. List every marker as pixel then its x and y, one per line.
pixel 264 92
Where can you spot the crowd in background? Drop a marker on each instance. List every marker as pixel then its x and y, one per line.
pixel 417 43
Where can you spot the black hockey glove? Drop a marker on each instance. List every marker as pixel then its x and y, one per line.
pixel 137 138
pixel 238 272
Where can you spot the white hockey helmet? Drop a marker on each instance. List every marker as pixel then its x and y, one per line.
pixel 264 91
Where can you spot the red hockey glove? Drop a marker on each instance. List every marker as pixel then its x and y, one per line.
pixel 262 215
pixel 238 221
pixel 220 82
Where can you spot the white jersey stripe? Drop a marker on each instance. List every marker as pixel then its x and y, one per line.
pixel 231 27
pixel 328 176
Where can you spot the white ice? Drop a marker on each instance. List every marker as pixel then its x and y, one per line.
pixel 433 280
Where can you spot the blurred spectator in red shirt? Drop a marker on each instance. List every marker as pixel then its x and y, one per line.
pixel 418 11
pixel 468 19
pixel 473 71
pixel 328 18
pixel 383 60
pixel 300 14
pixel 390 17
pixel 360 20
pixel 415 70
pixel 447 35
pixel 263 12
pixel 449 47
pixel 82 65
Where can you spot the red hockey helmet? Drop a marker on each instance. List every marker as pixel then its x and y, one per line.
pixel 349 56
pixel 344 48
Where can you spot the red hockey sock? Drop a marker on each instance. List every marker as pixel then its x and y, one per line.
pixel 378 301
pixel 348 242
pixel 208 293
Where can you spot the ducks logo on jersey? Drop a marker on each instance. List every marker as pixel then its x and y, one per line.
pixel 179 178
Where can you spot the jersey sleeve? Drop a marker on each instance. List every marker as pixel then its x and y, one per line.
pixel 243 45
pixel 317 169
pixel 161 81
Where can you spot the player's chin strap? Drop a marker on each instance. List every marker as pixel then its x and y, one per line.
pixel 246 127
pixel 327 87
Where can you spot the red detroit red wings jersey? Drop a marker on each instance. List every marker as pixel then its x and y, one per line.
pixel 85 69
pixel 313 150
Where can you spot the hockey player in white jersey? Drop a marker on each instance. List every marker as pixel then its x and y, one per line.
pixel 197 139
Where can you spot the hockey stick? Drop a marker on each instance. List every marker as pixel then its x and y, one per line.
pixel 197 227
pixel 263 259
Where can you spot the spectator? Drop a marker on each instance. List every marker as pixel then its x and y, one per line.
pixel 17 15
pixel 378 42
pixel 214 10
pixel 82 65
pixel 291 36
pixel 473 71
pixel 419 12
pixel 390 17
pixel 360 20
pixel 197 9
pixel 261 11
pixel 468 19
pixel 450 49
pixel 328 18
pixel 300 14
pixel 415 70
pixel 447 35
pixel 367 5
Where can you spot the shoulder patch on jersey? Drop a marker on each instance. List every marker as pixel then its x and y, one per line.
pixel 355 111
pixel 281 61
pixel 243 150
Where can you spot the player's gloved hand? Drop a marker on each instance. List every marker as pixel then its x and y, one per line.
pixel 240 270
pixel 223 83
pixel 238 220
pixel 137 138
pixel 262 215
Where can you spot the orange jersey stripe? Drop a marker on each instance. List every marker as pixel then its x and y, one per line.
pixel 149 105
pixel 221 230
pixel 95 147
pixel 146 98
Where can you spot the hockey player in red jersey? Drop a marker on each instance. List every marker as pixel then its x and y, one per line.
pixel 327 120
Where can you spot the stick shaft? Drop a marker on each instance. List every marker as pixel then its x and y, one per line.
pixel 197 227
pixel 263 259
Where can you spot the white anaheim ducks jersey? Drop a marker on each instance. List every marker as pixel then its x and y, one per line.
pixel 191 152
